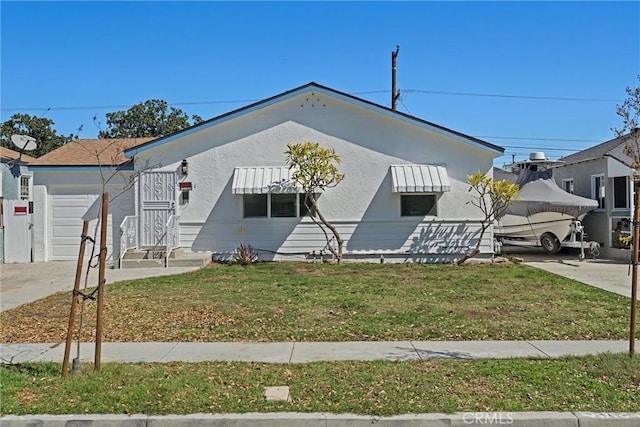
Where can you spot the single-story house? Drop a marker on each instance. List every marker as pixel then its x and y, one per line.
pixel 603 173
pixel 224 182
pixel 15 208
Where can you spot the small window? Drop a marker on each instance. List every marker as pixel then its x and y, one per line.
pixel 283 205
pixel 255 205
pixel 24 188
pixel 418 205
pixel 567 185
pixel 620 192
pixel 598 190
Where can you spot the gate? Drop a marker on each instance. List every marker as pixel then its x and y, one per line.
pixel 18 224
pixel 158 193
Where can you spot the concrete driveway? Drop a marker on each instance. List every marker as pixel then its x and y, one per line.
pixel 610 275
pixel 23 283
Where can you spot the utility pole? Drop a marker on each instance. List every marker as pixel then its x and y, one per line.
pixel 395 94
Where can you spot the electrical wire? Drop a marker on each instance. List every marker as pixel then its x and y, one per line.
pixel 237 101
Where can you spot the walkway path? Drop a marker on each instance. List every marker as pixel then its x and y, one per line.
pixel 301 352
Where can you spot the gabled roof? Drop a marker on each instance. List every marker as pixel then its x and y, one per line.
pixel 612 148
pixel 327 91
pixel 6 155
pixel 90 152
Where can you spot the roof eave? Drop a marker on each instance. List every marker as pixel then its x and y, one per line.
pixel 327 91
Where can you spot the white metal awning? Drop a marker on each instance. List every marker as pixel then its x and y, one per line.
pixel 413 178
pixel 263 179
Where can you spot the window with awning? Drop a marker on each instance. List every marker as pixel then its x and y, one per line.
pixel 263 180
pixel 413 178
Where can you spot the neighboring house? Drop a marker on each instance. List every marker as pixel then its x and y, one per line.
pixel 224 182
pixel 602 173
pixel 15 215
pixel 67 181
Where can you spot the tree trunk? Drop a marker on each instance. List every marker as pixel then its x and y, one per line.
pixel 334 230
pixel 476 250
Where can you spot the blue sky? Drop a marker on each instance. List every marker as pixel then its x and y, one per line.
pixel 71 61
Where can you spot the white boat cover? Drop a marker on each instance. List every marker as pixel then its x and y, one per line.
pixel 539 193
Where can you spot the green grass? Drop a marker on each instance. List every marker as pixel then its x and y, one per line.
pixel 608 382
pixel 323 302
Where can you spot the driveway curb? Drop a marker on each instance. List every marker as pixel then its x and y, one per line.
pixel 294 419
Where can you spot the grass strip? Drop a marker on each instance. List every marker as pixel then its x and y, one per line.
pixel 606 382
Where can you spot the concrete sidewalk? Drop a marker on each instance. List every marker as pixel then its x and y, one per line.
pixel 296 419
pixel 303 352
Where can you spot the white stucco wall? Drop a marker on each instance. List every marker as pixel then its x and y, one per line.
pixel 363 206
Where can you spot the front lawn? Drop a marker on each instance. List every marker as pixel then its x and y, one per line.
pixel 324 302
pixel 607 382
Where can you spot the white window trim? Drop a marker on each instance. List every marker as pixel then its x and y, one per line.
pixel 29 197
pixel 268 216
pixel 435 205
pixel 627 188
pixel 596 192
pixel 568 180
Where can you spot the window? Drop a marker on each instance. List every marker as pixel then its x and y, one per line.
pixel 286 205
pixel 283 205
pixel 598 190
pixel 418 205
pixel 567 185
pixel 620 192
pixel 255 205
pixel 24 188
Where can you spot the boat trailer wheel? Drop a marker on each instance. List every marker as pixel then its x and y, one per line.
pixel 550 243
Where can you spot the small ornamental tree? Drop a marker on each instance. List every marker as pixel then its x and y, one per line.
pixel 314 170
pixel 492 198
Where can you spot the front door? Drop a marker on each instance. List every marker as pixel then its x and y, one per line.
pixel 158 192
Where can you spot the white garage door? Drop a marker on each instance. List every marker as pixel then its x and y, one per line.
pixel 68 205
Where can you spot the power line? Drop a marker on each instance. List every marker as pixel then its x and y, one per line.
pixel 237 101
pixel 539 139
pixel 495 95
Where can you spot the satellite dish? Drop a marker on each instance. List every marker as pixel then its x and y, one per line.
pixel 24 142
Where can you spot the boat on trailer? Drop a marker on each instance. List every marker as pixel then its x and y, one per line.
pixel 544 214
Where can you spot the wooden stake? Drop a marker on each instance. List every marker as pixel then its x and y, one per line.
pixel 634 276
pixel 74 300
pixel 101 280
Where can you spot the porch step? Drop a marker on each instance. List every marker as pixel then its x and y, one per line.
pixel 151 259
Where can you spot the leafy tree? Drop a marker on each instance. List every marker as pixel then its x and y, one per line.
pixel 150 118
pixel 39 128
pixel 629 110
pixel 492 198
pixel 314 169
